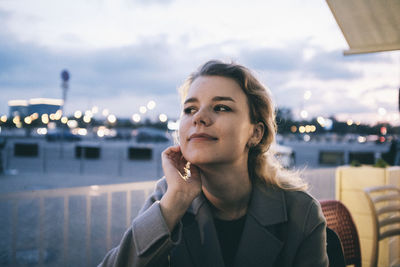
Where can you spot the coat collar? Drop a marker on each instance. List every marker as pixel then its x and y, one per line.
pixel 258 246
pixel 267 204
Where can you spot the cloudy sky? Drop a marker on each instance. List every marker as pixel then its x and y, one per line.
pixel 123 53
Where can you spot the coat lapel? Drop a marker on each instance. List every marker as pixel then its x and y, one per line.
pixel 201 237
pixel 260 245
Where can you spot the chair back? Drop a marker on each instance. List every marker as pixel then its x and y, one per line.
pixel 384 202
pixel 339 219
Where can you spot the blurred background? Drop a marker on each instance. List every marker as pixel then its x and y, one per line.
pixel 88 100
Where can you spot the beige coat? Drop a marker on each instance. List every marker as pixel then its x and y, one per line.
pixel 282 228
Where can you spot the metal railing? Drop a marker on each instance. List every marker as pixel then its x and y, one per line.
pixel 67 227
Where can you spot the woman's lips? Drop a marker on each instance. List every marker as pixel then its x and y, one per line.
pixel 202 137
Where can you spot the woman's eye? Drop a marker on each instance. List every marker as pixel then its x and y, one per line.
pixel 222 108
pixel 189 110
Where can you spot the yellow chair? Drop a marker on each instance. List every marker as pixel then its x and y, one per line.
pixel 384 202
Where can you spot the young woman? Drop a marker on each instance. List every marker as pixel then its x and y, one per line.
pixel 224 200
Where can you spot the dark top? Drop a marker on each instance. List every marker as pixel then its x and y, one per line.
pixel 229 233
pixel 334 249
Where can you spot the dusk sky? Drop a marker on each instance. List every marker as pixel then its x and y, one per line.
pixel 123 53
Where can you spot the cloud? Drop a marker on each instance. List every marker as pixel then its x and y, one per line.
pixel 125 77
pixel 268 59
pixel 149 69
pixel 128 67
pixel 329 66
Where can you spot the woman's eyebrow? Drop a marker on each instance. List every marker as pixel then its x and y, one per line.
pixel 214 99
pixel 223 98
pixel 191 100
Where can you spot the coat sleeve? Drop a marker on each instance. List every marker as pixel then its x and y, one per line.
pixel 148 240
pixel 312 250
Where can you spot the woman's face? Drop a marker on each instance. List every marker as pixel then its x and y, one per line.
pixel 215 123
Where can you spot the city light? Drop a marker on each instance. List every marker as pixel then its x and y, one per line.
pixel 382 111
pixel 163 117
pixel 304 114
pixel 105 112
pixel 16 120
pixel 307 95
pixel 136 117
pixel 72 124
pixel 100 133
pixel 45 118
pixel 302 129
pixel 173 126
pixel 328 124
pixel 52 116
pixel 4 118
pixel 361 139
pixel 78 114
pixel 383 130
pixel 111 118
pixel 58 114
pixel 64 120
pixel 87 119
pixel 309 128
pixel 321 121
pixel 151 105
pixel 88 113
pixel 306 138
pixel 95 109
pixel 104 131
pixel 349 122
pixel 41 131
pixel 293 129
pixel 142 109
pixel 80 131
pixel 34 116
pixel 28 120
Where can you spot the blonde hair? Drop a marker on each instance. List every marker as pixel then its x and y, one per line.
pixel 262 163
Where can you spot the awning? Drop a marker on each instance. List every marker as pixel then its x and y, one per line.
pixel 368 25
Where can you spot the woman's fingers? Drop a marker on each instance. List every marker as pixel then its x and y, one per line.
pixel 175 165
pixel 173 158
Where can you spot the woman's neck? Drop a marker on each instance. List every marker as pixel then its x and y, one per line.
pixel 228 189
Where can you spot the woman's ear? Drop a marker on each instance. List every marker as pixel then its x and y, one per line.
pixel 258 133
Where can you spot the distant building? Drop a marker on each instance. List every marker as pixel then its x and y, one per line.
pixel 41 106
pixel 18 108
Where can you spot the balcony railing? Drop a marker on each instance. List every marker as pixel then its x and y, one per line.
pixel 67 227
pixel 77 226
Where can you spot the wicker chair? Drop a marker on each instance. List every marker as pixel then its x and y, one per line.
pixel 384 202
pixel 339 219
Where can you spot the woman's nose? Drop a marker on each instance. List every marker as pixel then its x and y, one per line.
pixel 202 117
